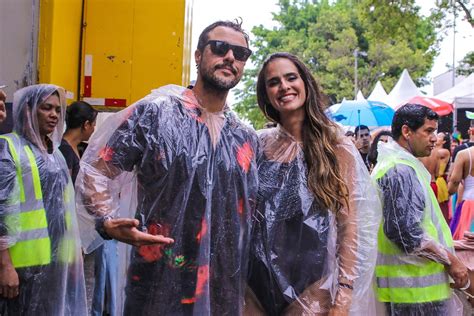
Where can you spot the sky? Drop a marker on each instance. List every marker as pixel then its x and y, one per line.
pixel 256 12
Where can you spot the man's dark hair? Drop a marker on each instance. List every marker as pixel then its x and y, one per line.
pixel 360 128
pixel 204 37
pixel 413 116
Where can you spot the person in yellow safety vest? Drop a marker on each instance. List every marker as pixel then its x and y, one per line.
pixel 415 249
pixel 41 269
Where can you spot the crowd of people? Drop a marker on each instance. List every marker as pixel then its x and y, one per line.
pixel 295 219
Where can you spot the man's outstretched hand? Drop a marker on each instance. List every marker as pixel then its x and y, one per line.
pixel 125 230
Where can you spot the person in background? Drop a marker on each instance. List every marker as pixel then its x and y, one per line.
pixel 462 224
pixel 382 136
pixel 41 270
pixel 80 124
pixel 454 143
pixel 362 137
pixel 442 149
pixel 415 248
pixel 351 136
pixel 467 144
pixel 437 164
pixel 313 248
pixel 3 110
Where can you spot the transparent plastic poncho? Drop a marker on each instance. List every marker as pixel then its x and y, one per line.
pixel 302 253
pixel 53 285
pixel 184 173
pixel 418 236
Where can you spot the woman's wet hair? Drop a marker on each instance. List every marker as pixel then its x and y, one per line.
pixel 373 151
pixel 78 113
pixel 413 116
pixel 320 136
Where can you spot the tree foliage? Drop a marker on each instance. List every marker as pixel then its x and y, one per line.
pixel 325 34
pixel 458 7
pixel 466 66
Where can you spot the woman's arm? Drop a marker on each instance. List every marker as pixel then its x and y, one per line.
pixel 457 173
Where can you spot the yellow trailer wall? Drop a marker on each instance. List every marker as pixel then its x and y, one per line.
pixel 133 46
pixel 59 44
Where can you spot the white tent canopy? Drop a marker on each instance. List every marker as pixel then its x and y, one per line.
pixel 378 94
pixel 460 94
pixel 360 96
pixel 404 90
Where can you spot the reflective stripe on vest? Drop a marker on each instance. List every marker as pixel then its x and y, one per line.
pixel 33 246
pixel 404 278
pixel 67 245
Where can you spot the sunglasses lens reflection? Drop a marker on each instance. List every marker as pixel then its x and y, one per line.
pixel 220 48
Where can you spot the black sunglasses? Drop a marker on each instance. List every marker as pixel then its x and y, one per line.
pixel 220 48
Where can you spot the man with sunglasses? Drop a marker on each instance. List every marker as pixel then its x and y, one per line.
pixel 194 164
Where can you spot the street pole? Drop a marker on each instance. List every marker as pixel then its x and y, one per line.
pixel 453 83
pixel 454 45
pixel 356 54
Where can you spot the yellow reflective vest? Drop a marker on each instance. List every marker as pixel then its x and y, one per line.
pixel 405 278
pixel 33 244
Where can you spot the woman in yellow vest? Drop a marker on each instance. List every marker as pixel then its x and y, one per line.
pixel 40 261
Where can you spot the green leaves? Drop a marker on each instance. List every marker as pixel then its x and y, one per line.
pixel 466 66
pixel 324 34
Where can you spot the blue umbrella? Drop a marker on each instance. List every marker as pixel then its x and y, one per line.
pixel 362 112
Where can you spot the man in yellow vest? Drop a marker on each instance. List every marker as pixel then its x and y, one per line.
pixel 415 259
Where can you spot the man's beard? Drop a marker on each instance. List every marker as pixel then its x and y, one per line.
pixel 213 82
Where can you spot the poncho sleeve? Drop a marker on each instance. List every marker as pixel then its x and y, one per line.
pixel 357 224
pixel 9 197
pixel 403 208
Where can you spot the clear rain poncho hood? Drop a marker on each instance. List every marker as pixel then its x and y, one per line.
pixel 25 106
pixel 37 208
pixel 300 251
pixel 183 173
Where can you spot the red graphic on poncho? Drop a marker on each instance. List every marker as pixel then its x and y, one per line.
pixel 106 153
pixel 240 207
pixel 244 156
pixel 203 230
pixel 154 252
pixel 202 279
pixel 191 300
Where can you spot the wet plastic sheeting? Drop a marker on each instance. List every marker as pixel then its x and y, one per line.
pixel 190 175
pixel 56 286
pixel 300 250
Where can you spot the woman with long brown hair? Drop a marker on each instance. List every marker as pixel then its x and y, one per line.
pixel 317 211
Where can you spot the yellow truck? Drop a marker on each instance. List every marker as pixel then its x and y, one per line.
pixel 109 53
